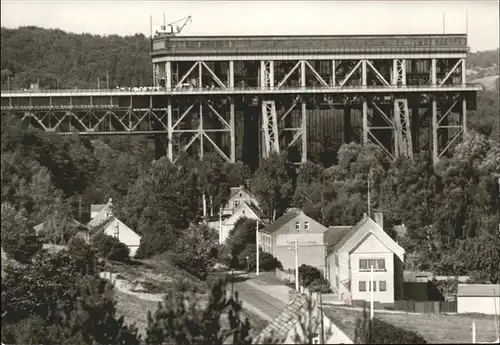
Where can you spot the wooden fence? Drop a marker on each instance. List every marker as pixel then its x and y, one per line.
pixel 426 307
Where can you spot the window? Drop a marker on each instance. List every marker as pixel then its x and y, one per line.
pixel 241 195
pixel 316 338
pixel 337 281
pixel 297 226
pixel 362 286
pixel 382 286
pixel 306 225
pixel 236 203
pixel 374 286
pixel 378 264
pixel 336 260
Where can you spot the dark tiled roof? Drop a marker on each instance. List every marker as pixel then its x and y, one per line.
pixel 100 227
pixel 335 234
pixel 74 225
pixel 96 207
pixel 478 290
pixel 255 209
pixel 280 222
pixel 284 322
pixel 344 236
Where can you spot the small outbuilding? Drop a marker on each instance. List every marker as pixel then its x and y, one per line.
pixel 478 298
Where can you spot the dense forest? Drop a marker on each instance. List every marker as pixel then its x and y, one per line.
pixel 451 211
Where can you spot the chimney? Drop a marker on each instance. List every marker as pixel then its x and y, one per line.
pixel 365 215
pixel 379 219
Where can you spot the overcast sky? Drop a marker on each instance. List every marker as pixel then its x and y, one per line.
pixel 264 17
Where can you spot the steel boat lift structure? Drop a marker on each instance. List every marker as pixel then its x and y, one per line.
pixel 386 89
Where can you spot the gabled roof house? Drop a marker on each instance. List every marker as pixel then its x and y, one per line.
pixel 352 251
pixel 104 221
pixel 245 210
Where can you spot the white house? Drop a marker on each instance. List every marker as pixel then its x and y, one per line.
pixel 99 213
pixel 352 252
pixel 244 210
pixel 104 221
pixel 116 228
pixel 478 298
pixel 286 326
pixel 236 197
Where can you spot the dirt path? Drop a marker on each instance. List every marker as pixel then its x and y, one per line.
pixel 126 287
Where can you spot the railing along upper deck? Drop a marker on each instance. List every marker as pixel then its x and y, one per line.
pixel 188 45
pixel 250 90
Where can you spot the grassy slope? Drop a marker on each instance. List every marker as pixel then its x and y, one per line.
pixel 160 275
pixel 435 328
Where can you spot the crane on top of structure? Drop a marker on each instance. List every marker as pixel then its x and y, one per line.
pixel 178 28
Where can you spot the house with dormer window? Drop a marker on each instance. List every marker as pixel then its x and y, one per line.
pixel 237 196
pixel 352 253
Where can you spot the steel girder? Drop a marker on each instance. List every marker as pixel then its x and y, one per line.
pixel 199 121
pixel 278 125
pixel 96 120
pixel 448 118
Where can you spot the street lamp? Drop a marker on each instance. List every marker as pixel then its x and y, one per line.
pixel 248 264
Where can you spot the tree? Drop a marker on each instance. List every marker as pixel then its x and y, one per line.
pixel 308 274
pixel 110 247
pixel 273 185
pixel 242 234
pixel 182 320
pixel 59 299
pixel 195 251
pixel 19 239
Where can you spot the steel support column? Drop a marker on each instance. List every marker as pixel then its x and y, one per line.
pixel 464 72
pixel 464 117
pixel 302 73
pixel 168 75
pixel 365 122
pixel 333 77
pixel 363 73
pixel 232 132
pixel 200 128
pixel 270 128
pixel 304 132
pixel 433 72
pixel 434 130
pixel 230 81
pixel 403 139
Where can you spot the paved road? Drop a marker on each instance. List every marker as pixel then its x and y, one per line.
pixel 258 301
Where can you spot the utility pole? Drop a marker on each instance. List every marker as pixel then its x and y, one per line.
pixel 107 80
pixel 444 23
pixel 220 225
pixel 297 264
pixel 473 332
pixel 371 292
pixel 369 188
pixel 8 82
pixel 98 83
pixel 257 242
pixel 322 339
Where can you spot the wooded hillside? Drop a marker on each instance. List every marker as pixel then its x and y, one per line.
pixel 67 60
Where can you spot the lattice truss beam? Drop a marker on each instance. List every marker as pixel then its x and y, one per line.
pixel 386 122
pixel 199 75
pixel 285 128
pixel 97 120
pixel 202 125
pixel 449 120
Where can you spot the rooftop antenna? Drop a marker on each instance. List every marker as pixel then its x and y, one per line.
pixel 150 26
pixel 466 23
pixel 164 23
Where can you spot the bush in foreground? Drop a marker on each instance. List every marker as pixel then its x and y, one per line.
pixel 110 248
pixel 377 331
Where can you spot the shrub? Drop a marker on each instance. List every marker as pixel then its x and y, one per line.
pixel 308 274
pixel 267 262
pixel 320 285
pixel 110 248
pixel 377 331
pixel 156 242
pixel 21 244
